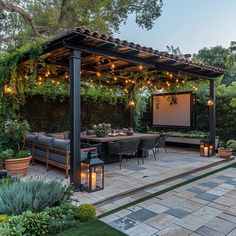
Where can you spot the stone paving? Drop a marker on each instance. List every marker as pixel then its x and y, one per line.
pixel 206 207
pixel 133 176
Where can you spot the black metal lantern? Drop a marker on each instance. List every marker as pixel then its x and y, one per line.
pixel 92 173
pixel 206 148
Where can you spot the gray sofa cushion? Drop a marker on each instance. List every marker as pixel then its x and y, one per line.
pixel 45 141
pixel 40 152
pixel 57 157
pixel 63 144
pixel 31 138
pixel 62 159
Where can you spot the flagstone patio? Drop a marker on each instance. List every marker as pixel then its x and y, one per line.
pixel 204 207
pixel 132 176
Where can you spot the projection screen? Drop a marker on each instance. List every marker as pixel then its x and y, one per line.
pixel 175 110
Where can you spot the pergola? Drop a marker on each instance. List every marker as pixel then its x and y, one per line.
pixel 81 50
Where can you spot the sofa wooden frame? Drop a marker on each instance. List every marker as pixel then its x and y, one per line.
pixel 49 162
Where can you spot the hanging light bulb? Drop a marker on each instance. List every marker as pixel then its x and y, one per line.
pixel 113 66
pixel 140 67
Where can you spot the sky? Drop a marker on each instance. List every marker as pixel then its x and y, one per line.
pixel 188 24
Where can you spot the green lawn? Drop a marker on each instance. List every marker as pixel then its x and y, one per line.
pixel 93 228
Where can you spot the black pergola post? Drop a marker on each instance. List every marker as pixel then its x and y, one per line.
pixel 75 162
pixel 212 114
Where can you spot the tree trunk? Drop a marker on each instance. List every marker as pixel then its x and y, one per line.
pixel 12 8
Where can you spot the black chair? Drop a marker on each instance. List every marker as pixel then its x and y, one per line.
pixel 98 146
pixel 145 145
pixel 123 148
pixel 161 143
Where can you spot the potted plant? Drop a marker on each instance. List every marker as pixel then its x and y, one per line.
pixel 227 151
pixel 16 159
pixel 102 129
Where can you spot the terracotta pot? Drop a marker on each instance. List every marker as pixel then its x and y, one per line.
pixel 17 166
pixel 225 153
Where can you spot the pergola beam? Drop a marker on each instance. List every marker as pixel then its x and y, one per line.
pixel 132 59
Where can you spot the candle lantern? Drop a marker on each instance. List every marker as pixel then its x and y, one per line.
pixel 92 173
pixel 206 148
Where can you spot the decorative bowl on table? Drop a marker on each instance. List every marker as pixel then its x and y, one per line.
pixel 129 132
pixel 101 134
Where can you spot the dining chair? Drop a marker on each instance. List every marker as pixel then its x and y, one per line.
pixel 146 145
pixel 161 143
pixel 123 148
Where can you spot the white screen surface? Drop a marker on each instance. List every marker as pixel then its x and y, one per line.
pixel 172 110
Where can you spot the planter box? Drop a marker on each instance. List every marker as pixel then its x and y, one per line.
pixel 193 141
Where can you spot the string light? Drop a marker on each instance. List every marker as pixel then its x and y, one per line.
pixel 58 82
pixel 115 78
pixel 98 74
pixel 176 80
pixel 40 78
pixel 53 81
pixel 112 66
pixel 140 67
pixel 126 90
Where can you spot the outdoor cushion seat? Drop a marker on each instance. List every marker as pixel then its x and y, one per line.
pixel 40 152
pixel 54 152
pixel 61 144
pixel 45 141
pixel 31 138
pixel 54 156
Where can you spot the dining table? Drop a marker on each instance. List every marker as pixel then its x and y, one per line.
pixel 93 139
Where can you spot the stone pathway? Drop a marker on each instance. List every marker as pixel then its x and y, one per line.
pixel 205 207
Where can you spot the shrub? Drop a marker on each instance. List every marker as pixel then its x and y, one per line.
pixel 34 223
pixel 8 181
pixel 4 218
pixel 58 226
pixel 64 211
pixel 23 153
pixel 7 154
pixel 27 224
pixel 33 195
pixel 85 212
pixel 231 144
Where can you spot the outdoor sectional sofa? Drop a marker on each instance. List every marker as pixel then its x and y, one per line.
pixel 52 151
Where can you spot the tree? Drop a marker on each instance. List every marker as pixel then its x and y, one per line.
pixel 220 57
pixel 51 17
pixel 214 56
